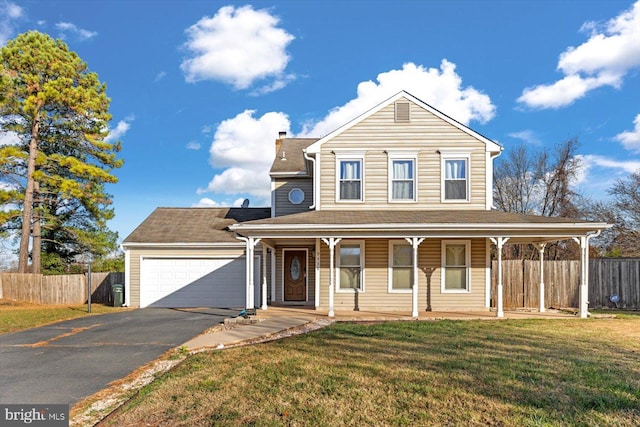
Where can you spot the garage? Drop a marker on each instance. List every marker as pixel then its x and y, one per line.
pixel 188 257
pixel 195 282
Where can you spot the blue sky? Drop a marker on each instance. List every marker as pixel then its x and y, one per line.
pixel 200 89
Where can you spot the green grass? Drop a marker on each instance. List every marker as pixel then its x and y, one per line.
pixel 507 373
pixel 15 316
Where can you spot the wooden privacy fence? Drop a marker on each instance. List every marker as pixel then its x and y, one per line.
pixel 607 276
pixel 63 289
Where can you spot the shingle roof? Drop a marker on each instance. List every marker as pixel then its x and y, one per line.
pixel 193 225
pixel 289 158
pixel 376 217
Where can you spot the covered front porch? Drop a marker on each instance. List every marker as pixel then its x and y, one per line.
pixel 429 238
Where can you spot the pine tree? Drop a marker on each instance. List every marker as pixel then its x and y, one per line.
pixel 57 169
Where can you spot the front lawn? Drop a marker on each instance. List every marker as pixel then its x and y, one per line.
pixel 507 373
pixel 16 316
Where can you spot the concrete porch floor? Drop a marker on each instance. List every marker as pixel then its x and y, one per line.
pixel 378 316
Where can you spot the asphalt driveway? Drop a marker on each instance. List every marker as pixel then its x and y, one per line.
pixel 68 361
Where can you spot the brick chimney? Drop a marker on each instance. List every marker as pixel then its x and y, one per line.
pixel 281 136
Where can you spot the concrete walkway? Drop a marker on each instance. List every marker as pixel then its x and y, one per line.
pixel 268 324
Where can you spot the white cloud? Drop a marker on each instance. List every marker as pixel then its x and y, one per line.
pixel 244 147
pixel 441 88
pixel 629 166
pixel 238 46
pixel 527 136
pixel 161 75
pixel 612 50
pixel 10 13
pixel 598 173
pixel 205 202
pixel 631 139
pixel 193 145
pixel 67 28
pixel 120 130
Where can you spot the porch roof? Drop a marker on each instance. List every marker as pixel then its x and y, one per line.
pixel 425 223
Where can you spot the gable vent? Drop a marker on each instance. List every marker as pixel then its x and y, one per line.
pixel 402 111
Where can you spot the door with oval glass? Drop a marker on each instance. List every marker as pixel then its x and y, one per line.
pixel 295 275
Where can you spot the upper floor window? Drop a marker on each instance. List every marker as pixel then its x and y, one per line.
pixel 350 266
pixel 456 260
pixel 350 179
pixel 455 177
pixel 403 180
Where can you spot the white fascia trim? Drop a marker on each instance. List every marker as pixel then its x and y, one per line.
pixel 499 227
pixel 174 245
pixel 287 174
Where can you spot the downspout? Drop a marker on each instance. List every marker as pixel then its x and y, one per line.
pixel 315 180
pixel 489 179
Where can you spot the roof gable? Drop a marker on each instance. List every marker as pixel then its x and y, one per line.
pixel 491 146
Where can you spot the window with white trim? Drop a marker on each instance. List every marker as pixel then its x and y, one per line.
pixel 456 263
pixel 350 179
pixel 400 267
pixel 350 266
pixel 456 178
pixel 402 179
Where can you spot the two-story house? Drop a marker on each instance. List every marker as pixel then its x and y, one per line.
pixel 392 211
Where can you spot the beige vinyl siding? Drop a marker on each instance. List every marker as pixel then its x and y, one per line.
pixel 282 188
pixel 311 266
pixel 137 253
pixel 424 134
pixel 377 297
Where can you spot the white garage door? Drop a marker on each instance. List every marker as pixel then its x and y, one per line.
pixel 194 282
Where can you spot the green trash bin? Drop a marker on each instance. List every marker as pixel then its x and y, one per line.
pixel 118 294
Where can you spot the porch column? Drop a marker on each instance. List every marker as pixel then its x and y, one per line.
pixel 540 247
pixel 263 288
pixel 499 242
pixel 273 275
pixel 583 241
pixel 331 242
pixel 415 243
pixel 249 265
